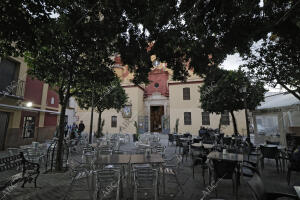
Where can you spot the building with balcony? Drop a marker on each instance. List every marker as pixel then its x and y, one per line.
pixel 29 109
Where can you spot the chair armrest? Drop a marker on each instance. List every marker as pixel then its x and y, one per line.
pixel 279 195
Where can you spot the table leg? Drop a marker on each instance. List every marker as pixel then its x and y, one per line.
pixel 164 183
pixel 121 181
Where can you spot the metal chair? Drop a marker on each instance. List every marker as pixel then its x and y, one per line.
pixel 200 159
pixel 145 179
pixel 105 150
pixel 108 183
pixel 269 153
pixel 159 149
pixel 172 167
pixel 224 169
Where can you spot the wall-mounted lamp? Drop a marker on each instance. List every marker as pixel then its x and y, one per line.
pixel 29 104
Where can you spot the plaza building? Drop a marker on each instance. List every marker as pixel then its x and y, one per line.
pixel 157 106
pixel 29 108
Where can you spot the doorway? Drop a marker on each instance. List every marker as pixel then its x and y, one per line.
pixel 156 113
pixel 4 118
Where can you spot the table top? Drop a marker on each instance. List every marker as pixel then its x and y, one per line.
pixel 205 146
pixel 142 159
pixel 280 147
pixel 113 159
pixel 186 138
pixel 226 156
pixel 297 188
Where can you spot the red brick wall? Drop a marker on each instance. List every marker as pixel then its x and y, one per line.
pixel 50 119
pixel 51 93
pixel 33 90
pixel 161 77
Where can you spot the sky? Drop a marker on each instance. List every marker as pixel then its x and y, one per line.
pixel 232 62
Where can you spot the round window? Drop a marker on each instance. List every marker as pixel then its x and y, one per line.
pixel 156 85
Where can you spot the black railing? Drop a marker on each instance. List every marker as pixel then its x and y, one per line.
pixel 14 89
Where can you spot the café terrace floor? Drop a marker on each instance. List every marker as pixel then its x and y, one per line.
pixel 55 186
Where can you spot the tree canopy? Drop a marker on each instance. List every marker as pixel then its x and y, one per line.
pixel 19 22
pixel 222 91
pixel 277 63
pixel 103 98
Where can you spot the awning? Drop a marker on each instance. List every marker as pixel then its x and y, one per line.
pixel 11 107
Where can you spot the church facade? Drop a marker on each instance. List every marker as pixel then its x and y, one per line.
pixel 160 105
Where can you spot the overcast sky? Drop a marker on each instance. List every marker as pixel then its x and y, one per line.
pixel 233 62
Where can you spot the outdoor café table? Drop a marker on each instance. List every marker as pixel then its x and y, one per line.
pixel 152 159
pixel 297 188
pixel 114 159
pixel 226 156
pixel 279 147
pixel 205 146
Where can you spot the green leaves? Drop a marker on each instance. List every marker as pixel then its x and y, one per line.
pixel 222 91
pixel 277 63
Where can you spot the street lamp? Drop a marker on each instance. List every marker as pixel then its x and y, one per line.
pixel 244 91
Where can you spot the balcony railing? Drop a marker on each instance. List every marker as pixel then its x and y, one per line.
pixel 14 89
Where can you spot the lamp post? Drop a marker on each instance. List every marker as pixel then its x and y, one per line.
pixel 244 91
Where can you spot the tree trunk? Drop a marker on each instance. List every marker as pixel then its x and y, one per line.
pixel 59 155
pixel 220 123
pixel 99 125
pixel 290 91
pixel 234 123
pixel 91 125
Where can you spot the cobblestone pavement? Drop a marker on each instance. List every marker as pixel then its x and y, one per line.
pixel 56 186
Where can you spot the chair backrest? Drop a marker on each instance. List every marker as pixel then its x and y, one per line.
pixel 224 169
pixel 227 140
pixel 145 177
pixel 269 152
pixel 257 187
pixel 170 137
pixel 32 152
pixel 105 150
pixel 187 135
pixel 159 149
pixel 108 178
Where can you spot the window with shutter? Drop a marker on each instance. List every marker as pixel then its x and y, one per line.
pixel 114 121
pixel 225 118
pixel 205 118
pixel 186 94
pixel 187 118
